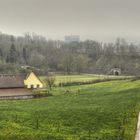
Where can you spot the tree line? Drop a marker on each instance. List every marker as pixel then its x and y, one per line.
pixel 76 57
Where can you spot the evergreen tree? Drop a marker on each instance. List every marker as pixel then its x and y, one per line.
pixel 1 52
pixel 25 54
pixel 12 58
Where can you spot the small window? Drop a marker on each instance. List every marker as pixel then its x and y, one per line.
pixel 37 86
pixel 26 86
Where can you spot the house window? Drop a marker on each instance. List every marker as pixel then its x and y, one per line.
pixel 37 86
pixel 32 86
pixel 26 86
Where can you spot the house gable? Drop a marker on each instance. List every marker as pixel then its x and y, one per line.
pixel 32 81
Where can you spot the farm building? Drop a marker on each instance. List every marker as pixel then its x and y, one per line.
pixel 115 71
pixel 12 85
pixel 32 81
pixel 17 85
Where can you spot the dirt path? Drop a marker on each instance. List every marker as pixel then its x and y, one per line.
pixel 138 129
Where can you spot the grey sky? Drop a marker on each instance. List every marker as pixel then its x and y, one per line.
pixel 102 20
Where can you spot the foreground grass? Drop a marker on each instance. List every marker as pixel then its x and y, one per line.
pixel 104 111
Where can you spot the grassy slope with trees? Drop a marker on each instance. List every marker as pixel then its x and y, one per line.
pixel 103 111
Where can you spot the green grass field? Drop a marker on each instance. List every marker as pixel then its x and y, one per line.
pixel 103 111
pixel 79 78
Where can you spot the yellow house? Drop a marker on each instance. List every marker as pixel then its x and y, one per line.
pixel 32 81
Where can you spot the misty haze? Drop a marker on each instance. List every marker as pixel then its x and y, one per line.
pixel 69 70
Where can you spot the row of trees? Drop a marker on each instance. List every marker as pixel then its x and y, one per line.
pixel 77 57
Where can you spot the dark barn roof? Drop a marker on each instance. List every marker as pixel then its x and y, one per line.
pixel 11 81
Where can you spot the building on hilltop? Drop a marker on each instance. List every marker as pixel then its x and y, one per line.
pixel 72 38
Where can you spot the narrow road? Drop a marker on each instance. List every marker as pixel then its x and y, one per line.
pixel 138 129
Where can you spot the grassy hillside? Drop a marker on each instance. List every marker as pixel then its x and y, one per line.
pixel 104 111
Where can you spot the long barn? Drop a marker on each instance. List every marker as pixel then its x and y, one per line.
pixel 18 85
pixel 12 85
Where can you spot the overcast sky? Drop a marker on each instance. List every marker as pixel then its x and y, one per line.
pixel 102 20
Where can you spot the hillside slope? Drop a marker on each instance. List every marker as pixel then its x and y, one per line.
pixel 104 111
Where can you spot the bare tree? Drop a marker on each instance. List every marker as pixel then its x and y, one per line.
pixel 50 80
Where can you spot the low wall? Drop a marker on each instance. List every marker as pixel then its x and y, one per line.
pixel 17 97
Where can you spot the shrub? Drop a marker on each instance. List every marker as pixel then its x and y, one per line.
pixel 41 93
pixel 91 82
pixel 49 81
pixel 135 78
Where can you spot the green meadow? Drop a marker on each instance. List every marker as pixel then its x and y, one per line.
pixel 80 78
pixel 103 111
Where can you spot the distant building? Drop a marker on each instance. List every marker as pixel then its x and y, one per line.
pixel 72 38
pixel 115 71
